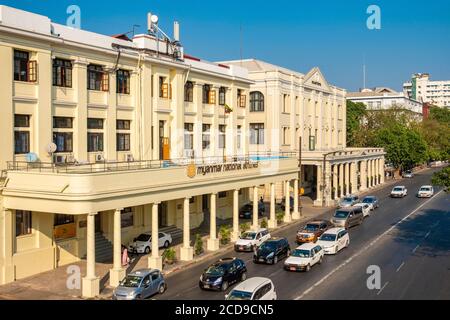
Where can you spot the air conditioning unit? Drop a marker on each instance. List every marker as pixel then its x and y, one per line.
pixel 59 159
pixel 99 157
pixel 129 157
pixel 71 159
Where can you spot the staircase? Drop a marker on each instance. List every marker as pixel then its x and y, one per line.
pixel 103 249
pixel 177 234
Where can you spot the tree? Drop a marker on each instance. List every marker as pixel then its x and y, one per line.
pixel 442 115
pixel 356 112
pixel 442 178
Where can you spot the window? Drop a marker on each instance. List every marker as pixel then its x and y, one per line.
pixel 222 96
pixel 241 99
pixel 222 194
pixel 238 137
pixel 123 81
pixel 95 141
pixel 286 103
pixel 62 73
pixel 188 136
pixel 62 219
pixel 257 133
pixel 286 134
pixel 23 223
pixel 165 90
pixel 63 141
pixel 24 69
pixel 206 136
pixel 256 101
pixel 209 95
pixel 98 79
pixel 222 136
pixel 189 92
pixel 126 217
pixel 21 136
pixel 123 142
pixel 62 123
pixel 123 124
pixel 95 123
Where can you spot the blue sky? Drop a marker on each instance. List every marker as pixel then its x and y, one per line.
pixel 297 34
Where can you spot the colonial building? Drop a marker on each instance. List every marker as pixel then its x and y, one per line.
pixel 105 138
pixel 288 108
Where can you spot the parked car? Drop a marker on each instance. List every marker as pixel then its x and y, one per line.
pixel 399 192
pixel 257 288
pixel 348 201
pixel 304 257
pixel 365 208
pixel 140 284
pixel 291 203
pixel 250 240
pixel 334 240
pixel 222 273
pixel 272 251
pixel 143 243
pixel 312 231
pixel 408 174
pixel 372 201
pixel 246 211
pixel 425 192
pixel 348 217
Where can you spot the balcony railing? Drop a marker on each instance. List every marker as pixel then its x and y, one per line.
pixel 114 166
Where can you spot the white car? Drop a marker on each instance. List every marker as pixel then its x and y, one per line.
pixel 399 192
pixel 333 240
pixel 304 257
pixel 425 192
pixel 143 243
pixel 256 288
pixel 251 240
pixel 365 208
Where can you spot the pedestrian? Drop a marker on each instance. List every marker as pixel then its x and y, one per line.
pixel 125 258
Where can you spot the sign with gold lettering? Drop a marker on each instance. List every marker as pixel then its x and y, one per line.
pixel 192 170
pixel 65 231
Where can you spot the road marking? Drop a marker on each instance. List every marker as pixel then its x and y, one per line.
pixel 382 288
pixel 426 236
pixel 364 249
pixel 401 266
pixel 415 249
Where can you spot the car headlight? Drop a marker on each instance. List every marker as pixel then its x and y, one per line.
pixel 201 278
pixel 270 255
pixel 132 294
pixel 219 280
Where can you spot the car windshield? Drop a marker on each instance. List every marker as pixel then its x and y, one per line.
pixel 347 200
pixel 144 237
pixel 239 295
pixel 131 282
pixel 398 189
pixel 328 237
pixel 341 214
pixel 300 253
pixel 425 189
pixel 216 270
pixel 248 236
pixel 311 227
pixel 368 200
pixel 268 245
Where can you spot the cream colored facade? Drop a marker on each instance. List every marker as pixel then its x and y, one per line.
pixel 53 205
pixel 305 106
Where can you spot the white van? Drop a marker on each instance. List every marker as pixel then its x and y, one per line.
pixel 256 288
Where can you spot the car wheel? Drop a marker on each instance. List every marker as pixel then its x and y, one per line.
pixel 138 297
pixel 224 286
pixel 346 243
pixel 162 289
pixel 166 244
pixel 147 250
pixel 321 260
pixel 244 276
pixel 335 249
pixel 275 260
pixel 308 267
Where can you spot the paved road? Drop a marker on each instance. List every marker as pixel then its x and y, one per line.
pixel 344 276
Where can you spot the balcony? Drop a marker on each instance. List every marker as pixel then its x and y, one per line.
pixel 93 187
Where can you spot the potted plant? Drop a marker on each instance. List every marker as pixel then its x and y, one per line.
pixel 280 216
pixel 225 234
pixel 198 245
pixel 264 223
pixel 244 227
pixel 169 256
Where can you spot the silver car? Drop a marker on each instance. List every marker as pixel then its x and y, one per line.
pixel 140 284
pixel 348 201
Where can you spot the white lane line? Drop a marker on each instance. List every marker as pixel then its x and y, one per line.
pixel 415 249
pixel 364 249
pixel 378 293
pixel 428 234
pixel 401 266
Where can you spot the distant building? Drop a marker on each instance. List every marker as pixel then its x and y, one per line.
pixel 382 98
pixel 422 89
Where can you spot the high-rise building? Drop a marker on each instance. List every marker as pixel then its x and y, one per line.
pixel 422 89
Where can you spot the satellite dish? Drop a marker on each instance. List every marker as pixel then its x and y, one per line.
pixel 51 148
pixel 154 19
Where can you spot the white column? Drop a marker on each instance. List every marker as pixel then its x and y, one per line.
pixel 287 216
pixel 377 170
pixel 213 242
pixel 117 273
pixel 186 251
pixel 383 174
pixel 296 213
pixel 235 234
pixel 91 283
pixel 353 177
pixel 155 260
pixel 319 192
pixel 8 236
pixel 273 218
pixel 335 181
pixel 255 217
pixel 341 179
pixel 347 178
pixel 363 175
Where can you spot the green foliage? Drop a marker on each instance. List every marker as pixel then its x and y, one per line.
pixel 198 246
pixel 280 216
pixel 356 112
pixel 264 223
pixel 169 256
pixel 442 178
pixel 225 234
pixel 244 227
pixel 442 115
